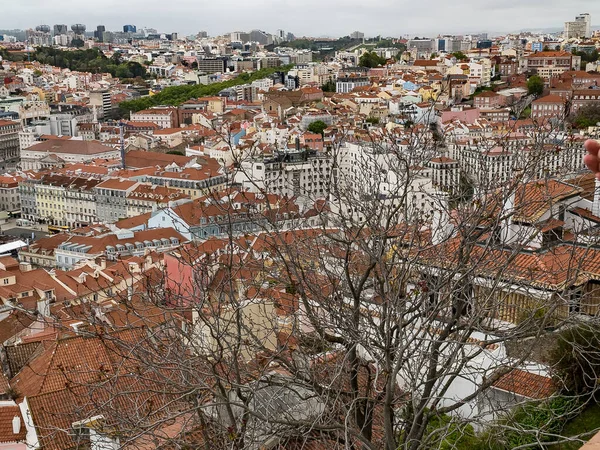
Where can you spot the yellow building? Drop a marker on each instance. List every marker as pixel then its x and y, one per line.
pixel 50 197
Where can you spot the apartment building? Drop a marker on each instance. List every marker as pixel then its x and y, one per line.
pixel 9 194
pixel 551 64
pixel 9 143
pixel 584 97
pixel 29 209
pixel 80 202
pixel 489 99
pixel 548 107
pixel 348 83
pixel 298 172
pixel 75 249
pixel 212 65
pixel 163 117
pixel 147 198
pixel 50 199
pixel 370 171
pixel 111 198
pixel 445 174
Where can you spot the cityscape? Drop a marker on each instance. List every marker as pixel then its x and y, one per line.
pixel 266 240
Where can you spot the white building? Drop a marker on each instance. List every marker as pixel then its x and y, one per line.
pixel 374 172
pixel 67 150
pixel 297 173
pixel 580 27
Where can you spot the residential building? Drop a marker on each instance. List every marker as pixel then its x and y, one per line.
pixel 67 151
pixel 423 47
pixel 212 65
pixel 584 97
pixel 579 28
pixel 9 194
pixel 299 172
pixel 9 143
pixel 163 117
pixel 226 213
pixel 495 114
pixel 77 249
pixel 148 198
pixel 488 99
pixel 80 202
pixel 50 199
pixel 111 198
pixel 548 107
pixel 445 174
pixel 551 64
pixel 347 83
pixel 102 101
pixel 27 197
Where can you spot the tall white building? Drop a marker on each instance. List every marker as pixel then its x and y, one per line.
pixel 300 173
pixel 580 27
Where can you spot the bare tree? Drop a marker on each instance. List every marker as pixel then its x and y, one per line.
pixel 388 311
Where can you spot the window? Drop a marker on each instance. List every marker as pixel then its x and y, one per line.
pixel 6 281
pixel 575 300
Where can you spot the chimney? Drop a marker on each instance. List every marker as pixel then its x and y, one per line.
pixel 16 425
pixel 25 267
pixel 596 205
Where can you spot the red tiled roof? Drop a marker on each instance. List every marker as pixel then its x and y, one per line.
pixel 526 384
pixel 550 99
pixel 7 414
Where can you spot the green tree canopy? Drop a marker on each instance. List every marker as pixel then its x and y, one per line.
pixel 329 86
pixel 588 116
pixel 576 359
pixel 317 126
pixel 77 43
pixel 175 95
pixel 535 85
pixel 459 55
pixel 371 59
pixel 90 60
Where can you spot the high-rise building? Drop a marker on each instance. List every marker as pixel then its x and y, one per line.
pixel 129 29
pixel 99 33
pixel 202 34
pixel 40 36
pixel 102 101
pixel 581 27
pixel 357 35
pixel 60 29
pixel 423 47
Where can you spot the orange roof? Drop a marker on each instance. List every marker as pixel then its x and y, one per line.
pixel 549 54
pixel 526 384
pixel 117 184
pixel 7 413
pixel 550 99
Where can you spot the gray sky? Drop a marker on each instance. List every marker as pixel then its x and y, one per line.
pixel 302 17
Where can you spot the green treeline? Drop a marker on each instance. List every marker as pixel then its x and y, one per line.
pixel 175 95
pixel 90 60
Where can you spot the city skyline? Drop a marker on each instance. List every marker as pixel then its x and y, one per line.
pixel 311 18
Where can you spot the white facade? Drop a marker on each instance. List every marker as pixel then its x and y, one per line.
pixel 366 171
pixel 289 174
pixel 30 159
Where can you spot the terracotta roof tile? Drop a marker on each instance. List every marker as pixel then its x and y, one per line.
pixel 7 414
pixel 526 384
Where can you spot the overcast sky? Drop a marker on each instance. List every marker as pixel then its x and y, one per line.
pixel 302 17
